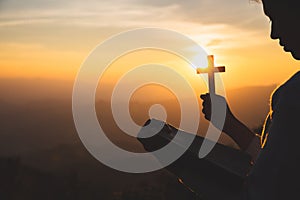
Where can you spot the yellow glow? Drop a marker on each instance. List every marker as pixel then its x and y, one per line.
pixel 250 57
pixel 137 58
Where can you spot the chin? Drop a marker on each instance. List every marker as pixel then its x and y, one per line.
pixel 296 55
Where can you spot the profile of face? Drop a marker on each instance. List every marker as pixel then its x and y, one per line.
pixel 285 19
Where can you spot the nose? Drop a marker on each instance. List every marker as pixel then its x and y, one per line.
pixel 274 31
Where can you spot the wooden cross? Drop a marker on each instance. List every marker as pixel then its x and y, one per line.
pixel 211 70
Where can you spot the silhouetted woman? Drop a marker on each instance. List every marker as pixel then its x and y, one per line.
pixel 276 154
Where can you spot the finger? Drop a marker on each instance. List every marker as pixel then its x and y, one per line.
pixel 206 110
pixel 204 96
pixel 206 103
pixel 205 114
pixel 207 117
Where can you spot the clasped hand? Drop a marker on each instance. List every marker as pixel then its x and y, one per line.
pixel 220 114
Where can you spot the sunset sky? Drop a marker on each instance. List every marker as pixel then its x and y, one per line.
pixel 50 39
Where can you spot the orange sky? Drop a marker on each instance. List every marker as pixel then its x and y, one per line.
pixel 52 39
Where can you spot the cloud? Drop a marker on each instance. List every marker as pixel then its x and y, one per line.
pixel 132 12
pixel 240 13
pixel 213 23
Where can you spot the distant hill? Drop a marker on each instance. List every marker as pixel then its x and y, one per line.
pixel 20 90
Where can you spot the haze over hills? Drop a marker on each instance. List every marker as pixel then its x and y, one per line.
pixel 44 106
pixel 38 129
pixel 250 104
pixel 26 91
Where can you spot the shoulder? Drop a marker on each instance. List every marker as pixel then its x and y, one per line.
pixel 292 86
pixel 285 118
pixel 287 96
pixel 285 114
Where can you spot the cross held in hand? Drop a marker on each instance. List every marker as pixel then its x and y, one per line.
pixel 211 70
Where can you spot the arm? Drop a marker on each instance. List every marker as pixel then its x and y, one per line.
pixel 239 132
pixel 243 136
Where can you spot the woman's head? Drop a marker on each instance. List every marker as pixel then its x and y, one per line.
pixel 285 19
